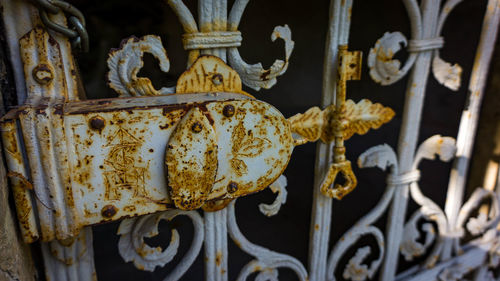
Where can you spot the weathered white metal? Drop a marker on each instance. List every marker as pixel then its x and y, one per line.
pixel 224 144
pixel 385 70
pixel 70 259
pixel 338 34
pixel 48 72
pixel 115 150
pixel 470 115
pixel 133 248
pixel 126 62
pixel 446 237
pixel 266 262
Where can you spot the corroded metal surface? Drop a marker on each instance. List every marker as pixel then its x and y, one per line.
pixel 205 145
pixel 339 122
pixel 214 146
pixel 315 124
pixel 112 154
pixel 126 62
pixel 192 161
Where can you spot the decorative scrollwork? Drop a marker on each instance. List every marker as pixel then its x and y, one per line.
pixel 133 248
pixel 266 261
pixel 383 68
pixel 357 271
pixel 125 63
pixel 279 186
pixel 386 70
pixel 411 246
pixel 484 222
pixel 445 148
pixel 381 156
pixel 254 75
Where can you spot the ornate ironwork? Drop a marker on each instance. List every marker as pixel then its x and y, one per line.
pixel 47 69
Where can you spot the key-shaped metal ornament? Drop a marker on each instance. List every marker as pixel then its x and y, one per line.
pixel 338 122
pixel 349 68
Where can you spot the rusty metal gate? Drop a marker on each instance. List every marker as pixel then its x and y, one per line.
pixel 195 148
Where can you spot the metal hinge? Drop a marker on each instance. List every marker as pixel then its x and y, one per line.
pixel 201 146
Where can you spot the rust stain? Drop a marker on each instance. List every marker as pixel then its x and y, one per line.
pixel 245 145
pixel 97 123
pixel 365 115
pixel 216 205
pixel 42 74
pixel 191 177
pixel 209 74
pixel 122 172
pixel 26 184
pixel 109 211
pixel 218 258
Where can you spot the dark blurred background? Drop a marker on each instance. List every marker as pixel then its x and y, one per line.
pixel 297 90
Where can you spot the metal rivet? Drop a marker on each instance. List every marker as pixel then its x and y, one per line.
pixel 232 187
pixel 108 211
pixel 197 127
pixel 42 74
pixel 97 123
pixel 228 110
pixel 217 79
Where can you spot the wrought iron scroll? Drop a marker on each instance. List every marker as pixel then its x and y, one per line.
pixel 133 248
pixel 266 262
pixel 448 259
pixel 216 33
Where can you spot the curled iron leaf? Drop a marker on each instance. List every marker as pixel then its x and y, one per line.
pixel 365 115
pixel 381 156
pixel 254 75
pixel 444 147
pixel 132 247
pixel 445 73
pixel 383 68
pixel 125 63
pixel 279 187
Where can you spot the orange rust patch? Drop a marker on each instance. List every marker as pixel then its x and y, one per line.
pixel 218 258
pixel 191 161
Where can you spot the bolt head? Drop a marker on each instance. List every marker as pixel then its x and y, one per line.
pixel 217 79
pixel 42 74
pixel 228 110
pixel 97 123
pixel 197 127
pixel 232 187
pixel 109 211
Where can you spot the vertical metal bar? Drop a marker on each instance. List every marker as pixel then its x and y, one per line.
pixel 216 245
pixel 213 17
pixel 408 138
pixel 338 32
pixel 470 117
pixel 72 261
